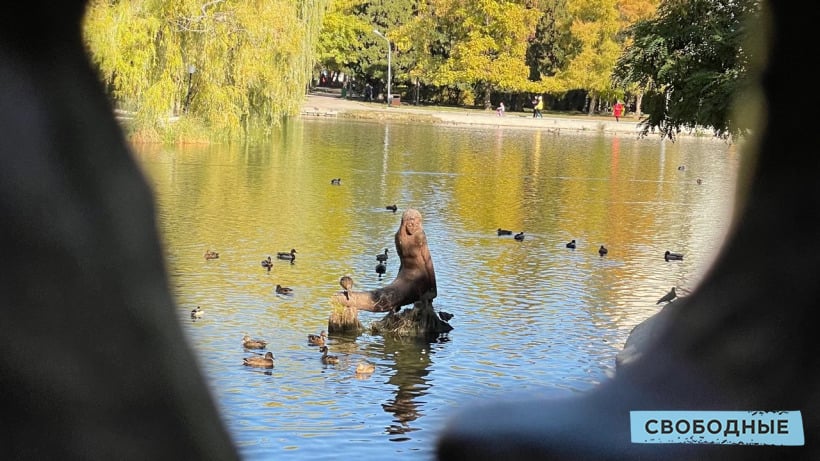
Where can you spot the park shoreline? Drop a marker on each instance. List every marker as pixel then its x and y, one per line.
pixel 332 105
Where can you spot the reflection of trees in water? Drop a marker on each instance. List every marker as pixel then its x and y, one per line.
pixel 411 363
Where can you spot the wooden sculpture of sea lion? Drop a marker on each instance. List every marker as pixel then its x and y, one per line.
pixel 415 284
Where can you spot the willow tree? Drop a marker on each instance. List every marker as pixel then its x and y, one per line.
pixel 231 65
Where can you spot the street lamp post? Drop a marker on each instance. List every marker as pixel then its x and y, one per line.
pixel 191 70
pixel 389 66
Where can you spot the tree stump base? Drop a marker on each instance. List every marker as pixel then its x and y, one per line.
pixel 421 320
pixel 344 319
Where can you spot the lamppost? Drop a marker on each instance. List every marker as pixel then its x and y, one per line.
pixel 389 72
pixel 191 70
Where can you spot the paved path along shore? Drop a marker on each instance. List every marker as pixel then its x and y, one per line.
pixel 332 105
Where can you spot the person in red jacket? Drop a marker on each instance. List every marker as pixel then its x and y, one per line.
pixel 618 110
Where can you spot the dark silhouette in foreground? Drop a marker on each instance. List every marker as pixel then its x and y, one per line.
pixel 84 284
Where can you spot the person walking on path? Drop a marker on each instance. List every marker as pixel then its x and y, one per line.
pixel 618 111
pixel 500 109
pixel 539 106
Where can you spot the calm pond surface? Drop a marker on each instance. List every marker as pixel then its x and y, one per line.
pixel 530 316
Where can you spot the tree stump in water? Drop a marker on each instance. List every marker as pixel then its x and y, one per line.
pixel 414 284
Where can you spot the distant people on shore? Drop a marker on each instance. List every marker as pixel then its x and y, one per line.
pixel 537 107
pixel 368 92
pixel 500 109
pixel 618 111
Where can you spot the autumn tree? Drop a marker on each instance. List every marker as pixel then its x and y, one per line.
pixel 694 59
pixel 485 45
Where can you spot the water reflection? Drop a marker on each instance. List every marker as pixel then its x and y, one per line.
pixel 528 315
pixel 411 362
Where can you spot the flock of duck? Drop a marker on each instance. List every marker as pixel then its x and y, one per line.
pixel 268 360
pixel 603 251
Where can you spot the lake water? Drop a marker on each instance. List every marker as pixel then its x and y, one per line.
pixel 530 316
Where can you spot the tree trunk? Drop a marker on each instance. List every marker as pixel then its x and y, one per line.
pixel 488 103
pixel 593 99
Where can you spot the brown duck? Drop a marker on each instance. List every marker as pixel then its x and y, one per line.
pixel 328 359
pixel 317 340
pixel 249 343
pixel 258 361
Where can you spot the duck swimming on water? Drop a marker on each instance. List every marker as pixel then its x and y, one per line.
pixel 265 361
pixel 669 256
pixel 328 359
pixel 317 340
pixel 287 255
pixel 250 343
pixel 381 268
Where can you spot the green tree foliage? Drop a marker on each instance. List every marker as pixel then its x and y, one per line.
pixel 485 44
pixel 343 36
pixel 348 44
pixel 236 66
pixel 551 45
pixel 693 60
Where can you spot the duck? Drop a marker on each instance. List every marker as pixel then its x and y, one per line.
pixel 210 254
pixel 258 361
pixel 668 297
pixel 392 207
pixel 197 313
pixel 382 257
pixel 446 316
pixel 699 181
pixel 328 359
pixel 501 231
pixel 317 340
pixel 519 236
pixel 602 251
pixel 283 290
pixel 681 167
pixel 381 268
pixel 336 181
pixel 571 244
pixel 365 368
pixel 249 343
pixel 267 263
pixel 347 284
pixel 669 256
pixel 287 255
